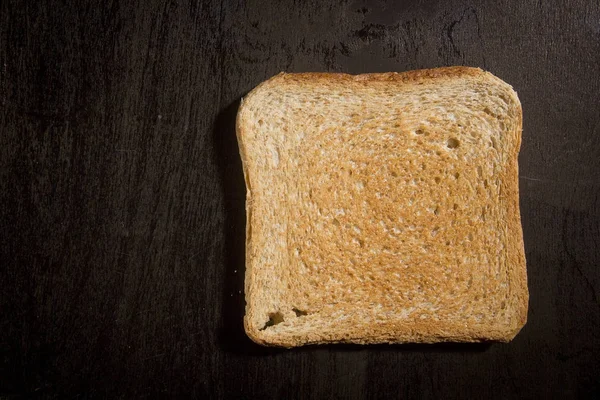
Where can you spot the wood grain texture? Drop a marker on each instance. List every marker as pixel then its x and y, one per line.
pixel 122 197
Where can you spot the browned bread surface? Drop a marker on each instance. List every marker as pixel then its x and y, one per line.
pixel 383 208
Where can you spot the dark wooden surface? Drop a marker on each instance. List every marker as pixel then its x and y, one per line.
pixel 122 198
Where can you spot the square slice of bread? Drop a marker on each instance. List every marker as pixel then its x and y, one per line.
pixel 383 208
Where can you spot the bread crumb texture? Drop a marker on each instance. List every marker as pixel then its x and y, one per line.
pixel 383 208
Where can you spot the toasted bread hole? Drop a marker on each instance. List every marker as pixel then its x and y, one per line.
pixel 470 237
pixel 298 312
pixel 274 319
pixel 419 132
pixel 455 206
pixel 447 243
pixel 336 222
pixel 394 174
pixel 437 179
pixel 503 305
pixel 452 143
pixel 423 167
pixel 261 122
pixel 436 211
pixel 493 143
pixel 485 183
pixel 456 175
pixel 435 231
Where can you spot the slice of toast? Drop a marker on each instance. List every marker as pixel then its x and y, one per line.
pixel 383 208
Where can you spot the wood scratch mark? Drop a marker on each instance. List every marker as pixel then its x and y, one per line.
pixel 154 356
pixel 145 311
pixel 128 317
pixel 573 183
pixel 583 351
pixel 535 179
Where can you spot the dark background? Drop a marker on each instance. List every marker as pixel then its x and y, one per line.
pixel 122 198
